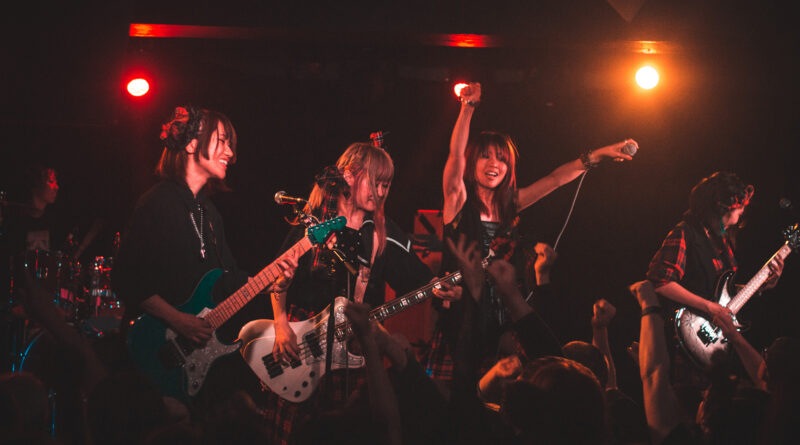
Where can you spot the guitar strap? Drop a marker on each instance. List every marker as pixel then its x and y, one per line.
pixel 363 273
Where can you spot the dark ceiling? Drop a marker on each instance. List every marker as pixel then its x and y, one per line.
pixel 319 75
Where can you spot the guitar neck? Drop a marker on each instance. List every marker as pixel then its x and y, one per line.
pixel 745 293
pixel 225 310
pixel 399 304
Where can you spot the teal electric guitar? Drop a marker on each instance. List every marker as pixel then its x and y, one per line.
pixel 177 366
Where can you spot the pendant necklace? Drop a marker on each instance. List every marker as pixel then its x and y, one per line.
pixel 199 230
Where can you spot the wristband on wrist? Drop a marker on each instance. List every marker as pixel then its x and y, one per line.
pixel 586 160
pixel 471 103
pixel 655 309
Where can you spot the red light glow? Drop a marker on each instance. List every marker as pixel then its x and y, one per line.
pixel 138 87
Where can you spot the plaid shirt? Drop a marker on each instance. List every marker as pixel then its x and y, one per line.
pixel 669 263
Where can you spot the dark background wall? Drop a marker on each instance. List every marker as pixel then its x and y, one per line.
pixel 322 75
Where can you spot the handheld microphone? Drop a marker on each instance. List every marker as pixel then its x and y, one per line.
pixel 282 198
pixel 629 148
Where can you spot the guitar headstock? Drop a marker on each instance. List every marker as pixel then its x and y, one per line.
pixel 319 233
pixel 792 236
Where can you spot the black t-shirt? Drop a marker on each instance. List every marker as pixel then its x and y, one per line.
pixel 314 287
pixel 160 250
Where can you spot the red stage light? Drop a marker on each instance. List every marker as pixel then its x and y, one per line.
pixel 458 87
pixel 138 87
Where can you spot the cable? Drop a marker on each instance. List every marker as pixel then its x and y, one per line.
pixel 571 208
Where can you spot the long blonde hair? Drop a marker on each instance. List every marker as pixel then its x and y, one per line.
pixel 359 159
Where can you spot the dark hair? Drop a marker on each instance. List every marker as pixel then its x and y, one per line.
pixel 590 356
pixel 557 401
pixel 716 195
pixel 504 196
pixel 782 359
pixel 185 124
pixel 37 175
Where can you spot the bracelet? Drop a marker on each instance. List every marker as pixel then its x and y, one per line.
pixel 655 309
pixel 587 162
pixel 471 103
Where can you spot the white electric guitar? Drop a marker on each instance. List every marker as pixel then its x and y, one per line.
pixel 701 339
pixel 296 381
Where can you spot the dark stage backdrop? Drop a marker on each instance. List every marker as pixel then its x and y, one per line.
pixel 724 103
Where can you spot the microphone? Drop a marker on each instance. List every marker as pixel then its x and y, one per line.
pixel 629 148
pixel 282 198
pixel 786 205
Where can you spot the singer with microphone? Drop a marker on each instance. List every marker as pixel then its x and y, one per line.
pixel 482 202
pixel 356 263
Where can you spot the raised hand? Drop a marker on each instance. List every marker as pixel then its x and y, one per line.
pixel 612 151
pixel 602 313
pixel 469 261
pixel 471 93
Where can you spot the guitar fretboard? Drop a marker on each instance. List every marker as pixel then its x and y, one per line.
pixel 749 289
pixel 399 304
pixel 225 310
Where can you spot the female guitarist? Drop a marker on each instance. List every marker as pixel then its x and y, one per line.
pixel 697 251
pixel 173 240
pixel 357 264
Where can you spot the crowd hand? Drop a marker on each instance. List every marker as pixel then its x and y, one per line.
pixel 469 261
pixel 602 313
pixel 613 151
pixel 446 291
pixel 358 314
pixel 645 293
pixel 471 93
pixel 545 257
pixel 508 368
pixel 191 327
pixel 775 271
pixel 492 383
pixel 504 277
pixel 285 347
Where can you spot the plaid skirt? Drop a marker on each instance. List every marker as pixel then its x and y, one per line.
pixel 438 362
pixel 286 417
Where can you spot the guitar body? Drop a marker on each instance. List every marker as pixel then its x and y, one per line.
pixel 175 366
pixel 296 382
pixel 698 337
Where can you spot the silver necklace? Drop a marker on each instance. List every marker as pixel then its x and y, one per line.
pixel 199 231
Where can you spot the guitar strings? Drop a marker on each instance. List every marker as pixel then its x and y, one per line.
pixel 316 332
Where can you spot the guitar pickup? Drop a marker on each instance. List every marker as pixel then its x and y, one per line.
pixel 274 368
pixel 312 340
pixel 707 334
